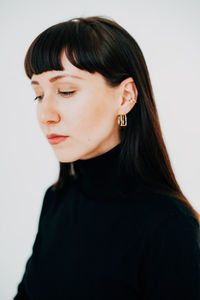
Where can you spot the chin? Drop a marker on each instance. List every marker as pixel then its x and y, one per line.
pixel 67 157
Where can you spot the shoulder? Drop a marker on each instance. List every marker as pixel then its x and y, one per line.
pixel 155 207
pixel 50 195
pixel 171 228
pixel 175 235
pixel 52 198
pixel 172 250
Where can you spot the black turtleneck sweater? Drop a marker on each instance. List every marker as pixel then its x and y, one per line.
pixel 106 237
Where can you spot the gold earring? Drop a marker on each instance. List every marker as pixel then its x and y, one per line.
pixel 122 120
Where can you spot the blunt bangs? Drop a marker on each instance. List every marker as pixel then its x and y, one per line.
pixel 87 46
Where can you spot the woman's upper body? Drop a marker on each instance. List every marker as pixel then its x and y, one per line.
pixel 105 237
pixel 107 229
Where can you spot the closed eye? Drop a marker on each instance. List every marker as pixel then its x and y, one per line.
pixel 37 97
pixel 66 92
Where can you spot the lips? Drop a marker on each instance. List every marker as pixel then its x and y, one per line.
pixel 55 138
pixel 53 135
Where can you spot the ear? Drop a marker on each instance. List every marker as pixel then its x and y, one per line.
pixel 128 95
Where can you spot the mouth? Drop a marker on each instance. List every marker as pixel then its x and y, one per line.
pixel 56 139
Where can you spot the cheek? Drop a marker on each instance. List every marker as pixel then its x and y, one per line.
pixel 91 120
pixel 38 115
pixel 91 115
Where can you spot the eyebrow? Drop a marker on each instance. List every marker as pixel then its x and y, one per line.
pixel 57 77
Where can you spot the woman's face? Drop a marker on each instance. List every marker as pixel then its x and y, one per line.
pixel 83 108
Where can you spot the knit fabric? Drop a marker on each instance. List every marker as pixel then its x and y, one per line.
pixel 106 237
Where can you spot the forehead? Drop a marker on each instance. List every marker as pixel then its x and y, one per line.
pixel 52 76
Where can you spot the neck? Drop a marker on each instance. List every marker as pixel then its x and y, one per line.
pixel 103 175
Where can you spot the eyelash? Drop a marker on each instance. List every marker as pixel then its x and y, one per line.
pixel 58 92
pixel 37 97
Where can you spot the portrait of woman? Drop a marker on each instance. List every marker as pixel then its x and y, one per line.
pixel 115 224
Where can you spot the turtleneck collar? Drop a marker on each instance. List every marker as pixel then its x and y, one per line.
pixel 103 175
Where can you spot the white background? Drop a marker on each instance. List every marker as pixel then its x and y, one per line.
pixel 168 33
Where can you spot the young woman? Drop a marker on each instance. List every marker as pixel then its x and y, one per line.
pixel 116 224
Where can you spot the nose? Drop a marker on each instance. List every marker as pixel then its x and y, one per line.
pixel 48 111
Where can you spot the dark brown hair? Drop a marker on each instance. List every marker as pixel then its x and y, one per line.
pixel 99 44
